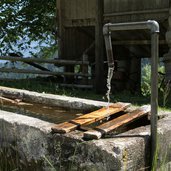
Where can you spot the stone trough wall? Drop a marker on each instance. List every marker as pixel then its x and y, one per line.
pixel 38 149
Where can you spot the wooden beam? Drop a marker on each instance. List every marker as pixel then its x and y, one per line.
pixel 99 47
pixel 4 99
pixel 164 10
pixel 12 70
pixel 60 5
pixel 134 82
pixel 38 60
pixel 136 42
pixel 77 86
pixel 137 51
pixel 37 66
pixel 97 132
pixel 13 102
pixel 84 30
pixel 90 118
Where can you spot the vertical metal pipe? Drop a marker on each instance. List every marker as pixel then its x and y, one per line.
pixel 109 50
pixel 154 94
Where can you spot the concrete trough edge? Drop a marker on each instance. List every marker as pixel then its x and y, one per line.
pixel 52 100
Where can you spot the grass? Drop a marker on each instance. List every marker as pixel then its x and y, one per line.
pixel 49 86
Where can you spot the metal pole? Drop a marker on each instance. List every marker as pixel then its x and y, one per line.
pixel 109 51
pixel 154 95
pixel 153 26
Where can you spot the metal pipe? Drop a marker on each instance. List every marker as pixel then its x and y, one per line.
pixel 109 51
pixel 153 26
pixel 150 24
pixel 154 94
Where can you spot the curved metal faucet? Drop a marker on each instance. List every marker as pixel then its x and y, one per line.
pixel 153 26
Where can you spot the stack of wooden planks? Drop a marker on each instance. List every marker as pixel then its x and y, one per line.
pixel 98 131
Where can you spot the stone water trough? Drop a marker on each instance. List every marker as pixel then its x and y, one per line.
pixel 30 143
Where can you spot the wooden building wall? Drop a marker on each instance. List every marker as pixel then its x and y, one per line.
pixel 79 12
pixel 76 18
pixel 135 10
pixel 81 21
pixel 115 6
pixel 83 12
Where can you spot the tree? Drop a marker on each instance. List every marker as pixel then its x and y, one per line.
pixel 24 21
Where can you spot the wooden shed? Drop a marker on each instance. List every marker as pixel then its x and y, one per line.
pixel 80 33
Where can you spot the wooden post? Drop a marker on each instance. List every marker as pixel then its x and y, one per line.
pixel 134 83
pixel 167 56
pixel 85 69
pixel 99 48
pixel 60 34
pixel 62 38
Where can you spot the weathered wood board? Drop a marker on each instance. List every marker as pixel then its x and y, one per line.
pixel 90 117
pixel 114 6
pixel 78 12
pixel 97 132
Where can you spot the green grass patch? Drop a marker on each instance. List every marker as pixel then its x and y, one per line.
pixel 45 85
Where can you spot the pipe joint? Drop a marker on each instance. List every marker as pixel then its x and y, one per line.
pixel 106 29
pixel 153 26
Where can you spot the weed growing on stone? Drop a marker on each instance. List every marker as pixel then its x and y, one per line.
pixel 52 168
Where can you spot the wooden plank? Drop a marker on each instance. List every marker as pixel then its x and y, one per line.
pixel 4 99
pixel 39 60
pixel 79 9
pixel 120 6
pixel 86 86
pixel 15 102
pixel 90 117
pixel 97 132
pixel 136 42
pixel 37 66
pixel 126 13
pixel 29 71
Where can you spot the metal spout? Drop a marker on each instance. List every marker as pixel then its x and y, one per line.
pixel 108 44
pixel 153 26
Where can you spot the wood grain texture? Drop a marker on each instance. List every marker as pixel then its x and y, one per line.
pixel 98 131
pixel 90 118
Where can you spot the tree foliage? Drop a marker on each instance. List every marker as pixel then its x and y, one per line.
pixel 24 21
